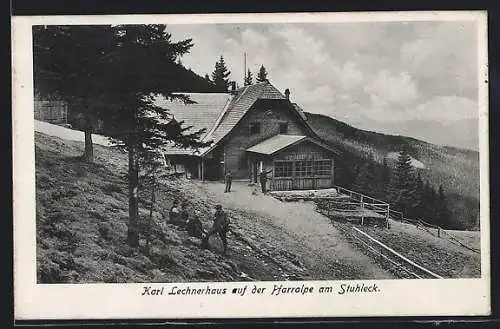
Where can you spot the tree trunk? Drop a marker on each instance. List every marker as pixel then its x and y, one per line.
pixel 150 223
pixel 88 155
pixel 133 201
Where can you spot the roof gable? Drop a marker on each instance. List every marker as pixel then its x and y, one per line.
pixel 219 113
pixel 202 114
pixel 242 101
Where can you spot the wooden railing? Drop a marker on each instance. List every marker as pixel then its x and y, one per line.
pixel 361 201
pixel 430 228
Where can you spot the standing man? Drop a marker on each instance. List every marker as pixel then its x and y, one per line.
pixel 183 213
pixel 229 180
pixel 263 179
pixel 220 227
pixel 173 214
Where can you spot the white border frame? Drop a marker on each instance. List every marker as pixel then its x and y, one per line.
pixel 446 297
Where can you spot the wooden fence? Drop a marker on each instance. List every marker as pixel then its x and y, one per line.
pixel 430 228
pixel 360 202
pixel 51 111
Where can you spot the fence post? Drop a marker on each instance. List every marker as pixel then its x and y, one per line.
pixel 439 232
pixel 387 217
pixel 362 211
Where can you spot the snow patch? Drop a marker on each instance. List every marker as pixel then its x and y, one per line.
pixel 414 162
pixel 68 134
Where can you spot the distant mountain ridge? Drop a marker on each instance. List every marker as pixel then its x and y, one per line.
pixel 455 168
pixel 462 133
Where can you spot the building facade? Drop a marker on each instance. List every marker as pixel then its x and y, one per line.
pixel 255 128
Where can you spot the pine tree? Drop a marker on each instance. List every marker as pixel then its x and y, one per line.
pixel 69 63
pixel 220 75
pixel 122 68
pixel 418 198
pixel 207 78
pixel 365 180
pixel 429 203
pixel 403 183
pixel 385 179
pixel 248 78
pixel 442 212
pixel 262 75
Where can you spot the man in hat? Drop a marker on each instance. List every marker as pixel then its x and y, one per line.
pixel 173 214
pixel 220 227
pixel 229 179
pixel 183 213
pixel 263 179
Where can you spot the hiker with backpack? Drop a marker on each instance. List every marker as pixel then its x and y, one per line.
pixel 220 227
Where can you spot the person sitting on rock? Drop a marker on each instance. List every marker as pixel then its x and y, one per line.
pixel 194 226
pixel 220 227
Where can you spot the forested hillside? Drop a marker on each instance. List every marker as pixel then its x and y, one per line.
pixel 456 170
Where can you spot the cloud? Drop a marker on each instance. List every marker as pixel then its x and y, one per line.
pixel 392 89
pixel 364 72
pixel 447 108
pixel 443 59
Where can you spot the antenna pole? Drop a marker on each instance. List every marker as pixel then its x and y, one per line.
pixel 244 67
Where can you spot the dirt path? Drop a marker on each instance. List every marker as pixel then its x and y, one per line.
pixel 298 228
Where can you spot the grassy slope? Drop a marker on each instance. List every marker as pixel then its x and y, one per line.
pixel 436 254
pixel 82 213
pixel 82 223
pixel 456 169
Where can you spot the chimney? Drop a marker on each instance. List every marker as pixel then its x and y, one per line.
pixel 287 93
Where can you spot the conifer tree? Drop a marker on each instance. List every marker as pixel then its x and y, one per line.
pixel 442 214
pixel 403 183
pixel 248 78
pixel 418 198
pixel 365 179
pixel 119 70
pixel 69 63
pixel 429 203
pixel 262 75
pixel 220 75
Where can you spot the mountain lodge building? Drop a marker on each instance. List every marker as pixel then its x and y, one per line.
pixel 252 128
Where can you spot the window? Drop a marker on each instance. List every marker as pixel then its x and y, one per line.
pixel 283 127
pixel 254 128
pixel 323 168
pixel 283 169
pixel 303 168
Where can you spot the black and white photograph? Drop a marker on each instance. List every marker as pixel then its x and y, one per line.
pixel 346 151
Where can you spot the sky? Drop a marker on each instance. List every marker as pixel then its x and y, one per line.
pixel 361 73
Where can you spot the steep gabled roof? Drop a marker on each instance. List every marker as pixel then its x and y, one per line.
pixel 242 101
pixel 202 114
pixel 219 113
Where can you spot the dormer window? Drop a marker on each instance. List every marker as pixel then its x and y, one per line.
pixel 283 127
pixel 254 128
